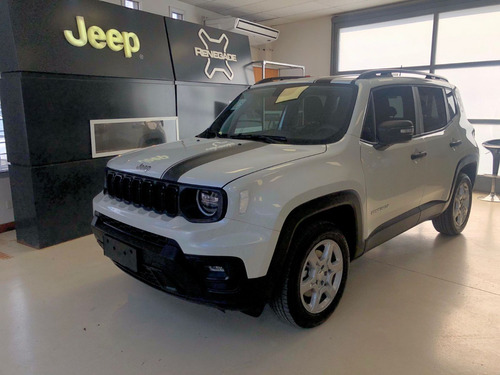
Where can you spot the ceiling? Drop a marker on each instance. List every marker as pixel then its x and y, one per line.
pixel 277 12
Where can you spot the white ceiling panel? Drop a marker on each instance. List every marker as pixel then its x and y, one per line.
pixel 301 9
pixel 276 12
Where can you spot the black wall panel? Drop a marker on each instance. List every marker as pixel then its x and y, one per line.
pixel 57 111
pixel 16 136
pixel 197 115
pixel 60 207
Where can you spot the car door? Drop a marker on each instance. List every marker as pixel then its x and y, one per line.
pixel 393 175
pixel 441 139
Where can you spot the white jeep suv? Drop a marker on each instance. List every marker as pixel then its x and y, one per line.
pixel 291 182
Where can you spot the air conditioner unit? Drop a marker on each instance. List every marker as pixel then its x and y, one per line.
pixel 257 34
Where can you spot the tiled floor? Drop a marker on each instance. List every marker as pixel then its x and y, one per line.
pixel 420 304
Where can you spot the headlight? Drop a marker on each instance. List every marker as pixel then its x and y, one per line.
pixel 208 202
pixel 202 204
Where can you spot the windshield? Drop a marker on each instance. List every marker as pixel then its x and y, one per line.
pixel 296 114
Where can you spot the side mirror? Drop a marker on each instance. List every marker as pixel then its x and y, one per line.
pixel 394 131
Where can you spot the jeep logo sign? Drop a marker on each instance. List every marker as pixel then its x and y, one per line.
pixel 97 38
pixel 223 41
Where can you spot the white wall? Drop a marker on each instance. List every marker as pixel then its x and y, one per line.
pixel 263 52
pixel 162 7
pixel 305 43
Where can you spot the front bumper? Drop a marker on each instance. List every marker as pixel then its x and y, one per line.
pixel 253 244
pixel 220 281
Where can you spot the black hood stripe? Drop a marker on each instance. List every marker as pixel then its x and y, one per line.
pixel 177 170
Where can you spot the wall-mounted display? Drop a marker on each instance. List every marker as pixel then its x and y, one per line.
pixel 83 37
pixel 116 136
pixel 215 56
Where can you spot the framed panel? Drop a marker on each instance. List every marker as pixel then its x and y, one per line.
pixel 116 136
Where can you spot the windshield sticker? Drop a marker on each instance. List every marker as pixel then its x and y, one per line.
pixel 290 93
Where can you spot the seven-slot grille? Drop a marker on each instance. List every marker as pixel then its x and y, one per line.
pixel 144 192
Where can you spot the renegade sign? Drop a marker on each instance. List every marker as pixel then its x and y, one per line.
pixel 115 40
pixel 224 56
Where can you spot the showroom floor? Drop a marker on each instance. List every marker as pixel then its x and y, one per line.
pixel 420 304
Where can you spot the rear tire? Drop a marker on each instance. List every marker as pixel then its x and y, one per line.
pixel 315 277
pixel 453 221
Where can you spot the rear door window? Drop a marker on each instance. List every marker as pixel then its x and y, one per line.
pixel 433 108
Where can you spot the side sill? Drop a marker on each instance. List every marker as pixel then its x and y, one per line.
pixel 402 223
pixel 392 228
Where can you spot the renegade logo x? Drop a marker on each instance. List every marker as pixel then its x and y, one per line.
pixel 222 58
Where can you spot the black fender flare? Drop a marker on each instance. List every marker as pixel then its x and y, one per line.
pixel 469 160
pixel 304 212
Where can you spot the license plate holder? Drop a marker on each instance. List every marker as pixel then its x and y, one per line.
pixel 120 253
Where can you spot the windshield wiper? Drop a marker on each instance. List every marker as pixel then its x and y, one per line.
pixel 261 138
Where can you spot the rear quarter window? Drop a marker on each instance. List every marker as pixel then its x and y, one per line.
pixel 451 102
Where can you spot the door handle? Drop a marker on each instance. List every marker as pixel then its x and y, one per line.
pixel 418 155
pixel 455 143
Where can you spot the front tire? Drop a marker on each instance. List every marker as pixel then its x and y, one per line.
pixel 315 278
pixel 453 221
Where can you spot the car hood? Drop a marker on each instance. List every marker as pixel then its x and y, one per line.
pixel 209 162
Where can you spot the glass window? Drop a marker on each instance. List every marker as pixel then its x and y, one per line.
pixel 176 14
pixel 452 104
pixel 394 103
pixel 478 88
pixel 469 35
pixel 433 108
pixel 113 137
pixel 132 4
pixel 295 114
pixel 400 43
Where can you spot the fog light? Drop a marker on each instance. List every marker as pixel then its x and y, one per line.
pixel 216 273
pixel 216 269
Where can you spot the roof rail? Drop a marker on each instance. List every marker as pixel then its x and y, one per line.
pixel 273 79
pixel 389 73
